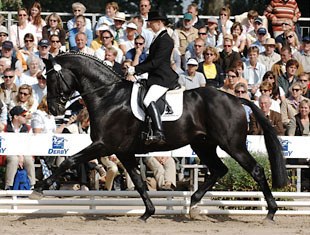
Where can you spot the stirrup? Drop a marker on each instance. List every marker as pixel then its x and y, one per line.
pixel 155 139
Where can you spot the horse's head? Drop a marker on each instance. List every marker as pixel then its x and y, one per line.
pixel 59 86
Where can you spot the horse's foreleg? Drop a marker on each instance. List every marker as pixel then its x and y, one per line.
pixel 91 152
pixel 131 166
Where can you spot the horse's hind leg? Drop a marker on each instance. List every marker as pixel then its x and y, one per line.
pixel 208 156
pixel 130 163
pixel 245 159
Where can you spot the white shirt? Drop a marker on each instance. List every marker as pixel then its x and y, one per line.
pixel 38 92
pixel 42 120
pixel 17 34
pixel 100 53
pixel 255 75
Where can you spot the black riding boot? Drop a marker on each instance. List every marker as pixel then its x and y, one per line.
pixel 158 136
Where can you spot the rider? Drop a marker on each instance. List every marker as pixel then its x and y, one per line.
pixel 161 76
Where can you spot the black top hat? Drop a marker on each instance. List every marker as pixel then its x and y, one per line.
pixel 156 15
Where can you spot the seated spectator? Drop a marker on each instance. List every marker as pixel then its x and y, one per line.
pixel 80 27
pixel 4 34
pixel 185 34
pixel 111 9
pixel 8 52
pixel 210 69
pixel 78 9
pixel 119 25
pixel 197 51
pixel 127 41
pixel 8 89
pixel 213 37
pixel 240 68
pixel 277 92
pixel 241 91
pixel 137 54
pixel 274 117
pixel 146 33
pixel 39 89
pixel 265 88
pixel 19 30
pixel 239 39
pixel 248 23
pixel 292 40
pixel 36 20
pixel 224 22
pixel 227 55
pixel 192 79
pixel 5 63
pixel 55 48
pixel 54 27
pixel 303 55
pixel 107 38
pixel 29 49
pixel 81 41
pixel 252 35
pixel 280 39
pixel 196 21
pixel 24 98
pixel 253 70
pixel 44 48
pixel 18 124
pixel 261 39
pixel 299 125
pixel 29 77
pixel 269 57
pixel 289 77
pixel 230 81
pixel 304 78
pixel 110 55
pixel 164 170
pixel 289 107
pixel 113 164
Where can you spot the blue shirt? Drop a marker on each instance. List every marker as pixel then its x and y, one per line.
pixel 72 34
pixel 131 55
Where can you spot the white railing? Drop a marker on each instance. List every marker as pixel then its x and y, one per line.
pixel 166 203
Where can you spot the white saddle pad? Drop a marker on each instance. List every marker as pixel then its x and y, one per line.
pixel 173 97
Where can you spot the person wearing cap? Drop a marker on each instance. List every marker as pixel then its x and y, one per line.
pixel 39 89
pixel 196 21
pixel 44 47
pixel 78 9
pixel 110 10
pixel 279 10
pixel 107 38
pixel 119 25
pixel 127 41
pixel 161 75
pixel 252 35
pixel 54 27
pixel 303 55
pixel 17 124
pixel 280 39
pixel 3 34
pixel 80 27
pixel 185 34
pixel 7 51
pixel 191 79
pixel 269 57
pixel 81 40
pixel 18 31
pixel 261 38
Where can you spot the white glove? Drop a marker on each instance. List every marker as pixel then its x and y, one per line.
pixel 131 70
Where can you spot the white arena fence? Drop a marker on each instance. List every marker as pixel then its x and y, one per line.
pixel 119 203
pixel 129 203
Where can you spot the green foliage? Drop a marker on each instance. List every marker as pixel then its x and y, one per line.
pixel 237 179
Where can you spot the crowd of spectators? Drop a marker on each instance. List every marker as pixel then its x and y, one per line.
pixel 239 56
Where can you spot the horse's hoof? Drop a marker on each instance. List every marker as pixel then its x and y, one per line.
pixel 194 212
pixel 268 220
pixel 35 195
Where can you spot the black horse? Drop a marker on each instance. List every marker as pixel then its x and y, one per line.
pixel 210 118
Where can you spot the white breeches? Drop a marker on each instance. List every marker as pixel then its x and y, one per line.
pixel 153 94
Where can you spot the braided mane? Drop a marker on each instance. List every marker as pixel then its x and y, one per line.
pixel 74 53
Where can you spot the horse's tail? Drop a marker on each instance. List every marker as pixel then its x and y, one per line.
pixel 273 146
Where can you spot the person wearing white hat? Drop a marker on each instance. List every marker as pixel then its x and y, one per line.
pixel 119 25
pixel 269 57
pixel 190 78
pixel 128 41
pixel 3 34
pixel 78 9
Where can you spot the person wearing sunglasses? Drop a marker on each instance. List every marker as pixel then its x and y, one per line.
pixel 304 78
pixel 19 30
pixel 241 90
pixel 197 52
pixel 137 54
pixel 78 9
pixel 8 89
pixel 54 27
pixel 289 107
pixel 280 39
pixel 227 56
pixel 299 125
pixel 29 48
pixel 55 47
pixel 292 40
pixel 18 124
